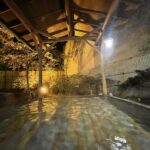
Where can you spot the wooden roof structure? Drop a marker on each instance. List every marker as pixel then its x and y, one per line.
pixel 51 21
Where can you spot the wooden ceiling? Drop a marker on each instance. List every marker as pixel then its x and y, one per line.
pixel 60 20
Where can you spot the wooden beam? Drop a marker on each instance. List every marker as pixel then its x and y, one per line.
pixel 48 35
pixel 5 11
pixel 40 75
pixel 15 35
pixel 46 14
pixel 98 28
pixel 58 31
pixel 86 23
pixel 23 33
pixel 12 5
pixel 51 35
pixel 13 22
pixel 84 10
pixel 29 41
pixel 3 6
pixel 15 26
pixel 79 30
pixel 109 15
pixel 69 17
pixel 43 27
pixel 75 38
pixel 15 9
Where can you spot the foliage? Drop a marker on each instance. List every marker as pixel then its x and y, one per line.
pixel 142 79
pixel 76 84
pixel 13 53
pixel 20 83
pixel 55 56
pixel 62 86
pixel 17 55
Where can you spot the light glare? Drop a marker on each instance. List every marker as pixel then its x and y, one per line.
pixel 108 43
pixel 44 90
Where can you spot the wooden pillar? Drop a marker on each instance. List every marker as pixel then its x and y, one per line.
pixel 104 82
pixel 40 81
pixel 5 79
pixel 27 77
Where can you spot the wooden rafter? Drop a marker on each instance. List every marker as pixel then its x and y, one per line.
pixel 45 34
pixel 4 11
pixel 25 32
pixel 12 5
pixel 69 17
pixel 15 9
pixel 16 25
pixel 86 23
pixel 75 38
pixel 109 15
pixel 98 27
pixel 58 31
pixel 84 10
pixel 55 23
pixel 81 30
pixel 15 35
pixel 47 14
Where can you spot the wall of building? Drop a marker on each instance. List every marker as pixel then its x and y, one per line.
pixel 81 59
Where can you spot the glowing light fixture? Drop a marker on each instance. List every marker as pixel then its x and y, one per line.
pixel 48 45
pixel 108 43
pixel 43 90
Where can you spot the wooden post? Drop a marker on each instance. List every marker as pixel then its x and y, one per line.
pixel 40 56
pixel 104 82
pixel 40 66
pixel 27 76
pixel 5 78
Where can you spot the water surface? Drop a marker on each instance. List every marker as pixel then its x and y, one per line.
pixel 71 123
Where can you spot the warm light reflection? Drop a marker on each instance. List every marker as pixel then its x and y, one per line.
pixel 74 112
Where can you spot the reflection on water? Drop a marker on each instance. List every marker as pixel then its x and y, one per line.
pixel 71 123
